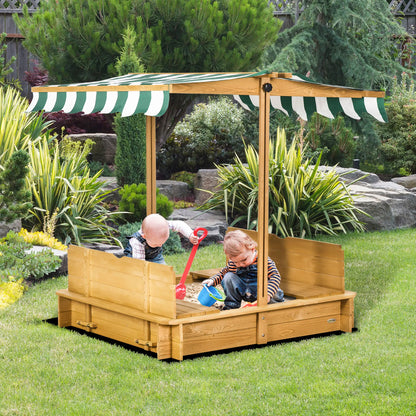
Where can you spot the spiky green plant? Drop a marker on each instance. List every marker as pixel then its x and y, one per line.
pixel 62 187
pixel 17 127
pixel 303 201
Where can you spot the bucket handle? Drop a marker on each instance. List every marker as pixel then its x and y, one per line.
pixel 220 299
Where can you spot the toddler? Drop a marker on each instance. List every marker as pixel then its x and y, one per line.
pixel 146 244
pixel 239 276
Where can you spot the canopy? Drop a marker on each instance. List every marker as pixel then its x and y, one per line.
pixel 149 94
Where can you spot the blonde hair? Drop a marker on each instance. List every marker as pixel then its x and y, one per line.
pixel 235 242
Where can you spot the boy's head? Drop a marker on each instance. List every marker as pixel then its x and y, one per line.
pixel 240 248
pixel 155 229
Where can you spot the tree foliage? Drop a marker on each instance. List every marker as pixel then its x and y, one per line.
pixel 80 40
pixel 398 136
pixel 14 196
pixel 130 156
pixel 349 42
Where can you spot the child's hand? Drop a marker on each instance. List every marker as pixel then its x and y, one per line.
pixel 193 238
pixel 208 282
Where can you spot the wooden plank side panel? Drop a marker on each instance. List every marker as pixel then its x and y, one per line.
pixel 161 290
pixel 78 270
pixel 164 340
pixel 64 312
pixel 116 295
pixel 303 328
pixel 120 327
pixel 219 334
pixel 303 312
pixel 311 278
pixel 304 320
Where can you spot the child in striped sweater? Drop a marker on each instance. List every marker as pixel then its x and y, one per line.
pixel 239 277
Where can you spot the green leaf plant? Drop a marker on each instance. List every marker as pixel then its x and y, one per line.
pixel 303 200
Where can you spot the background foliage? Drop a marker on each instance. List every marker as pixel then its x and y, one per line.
pixel 133 201
pixel 398 136
pixel 210 134
pixel 304 201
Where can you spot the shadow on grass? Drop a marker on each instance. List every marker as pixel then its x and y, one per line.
pixel 128 347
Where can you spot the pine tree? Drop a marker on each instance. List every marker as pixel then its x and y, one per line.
pixel 349 42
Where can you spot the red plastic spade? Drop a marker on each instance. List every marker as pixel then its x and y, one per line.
pixel 180 287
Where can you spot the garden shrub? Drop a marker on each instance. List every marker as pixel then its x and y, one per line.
pixel 210 134
pixel 331 138
pixel 39 238
pixel 16 261
pixel 398 136
pixel 133 200
pixel 303 201
pixel 11 291
pixel 172 246
pixel 187 177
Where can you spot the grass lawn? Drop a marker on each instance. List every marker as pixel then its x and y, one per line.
pixel 46 370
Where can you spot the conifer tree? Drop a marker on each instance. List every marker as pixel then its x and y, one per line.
pixel 130 156
pixel 348 42
pixel 14 197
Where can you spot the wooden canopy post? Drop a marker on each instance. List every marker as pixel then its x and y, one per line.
pixel 263 194
pixel 150 165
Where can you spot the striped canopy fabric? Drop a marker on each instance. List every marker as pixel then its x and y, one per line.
pixel 149 94
pixel 329 107
pixel 126 94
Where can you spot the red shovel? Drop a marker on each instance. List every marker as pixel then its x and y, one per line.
pixel 180 287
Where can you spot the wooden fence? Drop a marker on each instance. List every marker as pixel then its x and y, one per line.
pixel 24 60
pixel 286 10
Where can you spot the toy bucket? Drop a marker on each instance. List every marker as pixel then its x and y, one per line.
pixel 209 295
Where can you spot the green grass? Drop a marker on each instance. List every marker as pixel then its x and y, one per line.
pixel 46 370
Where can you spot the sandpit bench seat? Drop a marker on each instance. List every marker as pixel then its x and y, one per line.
pixel 309 269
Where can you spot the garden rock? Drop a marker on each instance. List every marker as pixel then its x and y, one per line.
pixel 5 227
pixel 104 149
pixel 206 181
pixel 110 184
pixel 388 204
pixel 213 221
pixel 174 190
pixel 409 182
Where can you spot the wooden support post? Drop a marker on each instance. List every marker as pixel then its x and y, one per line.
pixel 150 165
pixel 263 196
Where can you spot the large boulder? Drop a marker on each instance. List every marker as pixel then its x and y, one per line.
pixel 388 204
pixel 5 227
pixel 174 190
pixel 206 181
pixel 104 149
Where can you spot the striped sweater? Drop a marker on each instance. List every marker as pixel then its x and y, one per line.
pixel 272 274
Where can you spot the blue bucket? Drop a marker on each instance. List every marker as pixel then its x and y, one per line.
pixel 209 295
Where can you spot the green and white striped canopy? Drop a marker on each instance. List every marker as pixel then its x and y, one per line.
pixel 126 94
pixel 149 94
pixel 329 107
